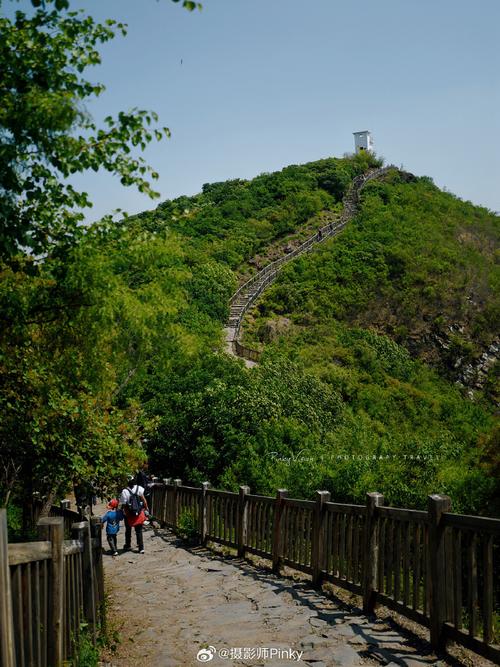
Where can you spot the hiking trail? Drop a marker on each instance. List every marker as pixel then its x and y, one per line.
pixel 247 294
pixel 174 600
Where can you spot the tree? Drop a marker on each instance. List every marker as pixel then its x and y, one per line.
pixel 76 329
pixel 46 133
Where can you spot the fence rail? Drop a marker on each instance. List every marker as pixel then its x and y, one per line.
pixel 48 588
pixel 437 568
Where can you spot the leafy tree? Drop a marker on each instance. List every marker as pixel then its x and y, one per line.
pixel 211 286
pixel 113 334
pixel 46 133
pixel 79 325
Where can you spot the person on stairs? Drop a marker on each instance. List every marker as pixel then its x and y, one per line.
pixel 134 506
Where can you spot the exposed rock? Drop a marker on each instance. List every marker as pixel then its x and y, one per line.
pixel 313 641
pixel 475 373
pixel 272 329
pixel 345 656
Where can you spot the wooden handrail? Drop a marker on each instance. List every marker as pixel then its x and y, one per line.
pixel 29 552
pixel 45 585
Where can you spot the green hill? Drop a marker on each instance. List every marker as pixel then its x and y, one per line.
pixel 379 362
pixel 417 265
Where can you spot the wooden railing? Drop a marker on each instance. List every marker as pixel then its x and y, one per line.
pixel 63 510
pixel 48 589
pixel 437 568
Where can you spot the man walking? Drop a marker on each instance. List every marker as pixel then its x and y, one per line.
pixel 134 506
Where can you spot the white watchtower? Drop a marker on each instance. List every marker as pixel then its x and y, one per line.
pixel 363 141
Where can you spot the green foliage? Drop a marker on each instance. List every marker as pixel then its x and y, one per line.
pixel 214 416
pixel 413 262
pixel 233 220
pixel 189 5
pixel 352 409
pixel 70 377
pixel 113 333
pixel 58 422
pixel 187 525
pixel 46 135
pixel 212 285
pixel 86 654
pixel 14 521
pixel 84 311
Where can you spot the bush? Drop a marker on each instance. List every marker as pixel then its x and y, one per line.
pixel 86 654
pixel 187 526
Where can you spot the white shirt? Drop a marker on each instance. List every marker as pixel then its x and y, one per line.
pixel 125 495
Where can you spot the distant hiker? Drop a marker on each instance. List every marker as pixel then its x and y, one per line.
pixel 85 497
pixel 112 520
pixel 143 479
pixel 134 506
pixel 80 497
pixel 92 494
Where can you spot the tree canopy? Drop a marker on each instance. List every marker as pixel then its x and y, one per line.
pixel 75 327
pixel 112 344
pixel 46 131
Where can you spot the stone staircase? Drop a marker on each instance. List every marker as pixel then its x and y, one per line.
pixel 247 294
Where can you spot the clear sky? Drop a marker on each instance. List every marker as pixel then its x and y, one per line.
pixel 250 86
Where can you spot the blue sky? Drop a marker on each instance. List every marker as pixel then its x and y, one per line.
pixel 267 83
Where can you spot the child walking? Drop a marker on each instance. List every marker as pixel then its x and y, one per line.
pixel 112 520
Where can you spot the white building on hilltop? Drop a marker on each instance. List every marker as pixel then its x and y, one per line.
pixel 363 141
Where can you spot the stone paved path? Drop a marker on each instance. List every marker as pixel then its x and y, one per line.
pixel 172 601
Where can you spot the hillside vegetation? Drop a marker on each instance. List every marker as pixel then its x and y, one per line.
pixel 416 264
pixel 359 391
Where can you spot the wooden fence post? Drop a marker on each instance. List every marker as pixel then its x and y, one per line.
pixel 7 649
pixel 78 530
pixel 96 530
pixel 89 595
pixel 370 551
pixel 154 496
pixel 65 504
pixel 242 520
pixel 177 483
pixel 281 494
pixel 52 530
pixel 437 505
pixel 164 500
pixel 203 512
pixel 317 537
pixel 152 500
pixel 168 511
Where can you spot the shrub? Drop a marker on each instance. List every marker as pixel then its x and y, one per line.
pixel 187 525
